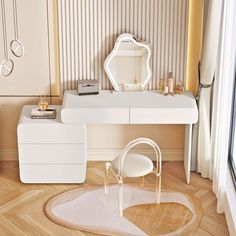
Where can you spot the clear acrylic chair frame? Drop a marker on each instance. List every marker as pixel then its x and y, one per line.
pixel 119 176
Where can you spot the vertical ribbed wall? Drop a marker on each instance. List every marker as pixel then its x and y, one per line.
pixel 89 28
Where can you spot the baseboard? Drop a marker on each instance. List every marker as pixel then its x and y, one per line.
pixel 108 154
pixel 229 204
pixel 105 154
pixel 229 217
pixel 8 154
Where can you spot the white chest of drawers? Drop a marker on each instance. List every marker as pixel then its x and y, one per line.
pixel 50 151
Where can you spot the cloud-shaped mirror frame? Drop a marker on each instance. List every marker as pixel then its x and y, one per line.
pixel 132 38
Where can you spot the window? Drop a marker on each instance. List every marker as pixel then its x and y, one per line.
pixel 232 147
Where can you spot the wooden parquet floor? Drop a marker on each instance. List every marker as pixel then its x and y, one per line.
pixel 21 205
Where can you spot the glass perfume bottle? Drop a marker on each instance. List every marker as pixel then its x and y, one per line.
pixel 170 83
pixel 179 88
pixel 161 85
pixel 43 104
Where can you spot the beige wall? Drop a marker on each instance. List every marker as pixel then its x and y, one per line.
pixel 33 73
pixel 30 75
pixel 194 43
pixel 102 139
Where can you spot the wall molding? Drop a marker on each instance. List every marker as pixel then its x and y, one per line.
pixel 108 154
pixel 229 217
pixel 105 154
pixel 229 204
pixel 8 154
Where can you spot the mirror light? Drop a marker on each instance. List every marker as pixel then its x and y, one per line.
pixel 109 62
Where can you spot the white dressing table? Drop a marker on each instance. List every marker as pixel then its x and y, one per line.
pixel 148 107
pixel 55 151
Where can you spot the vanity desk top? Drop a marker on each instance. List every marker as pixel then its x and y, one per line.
pixel 148 107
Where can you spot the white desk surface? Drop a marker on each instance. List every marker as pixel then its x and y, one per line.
pixel 147 107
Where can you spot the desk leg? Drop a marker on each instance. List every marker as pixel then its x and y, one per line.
pixel 187 151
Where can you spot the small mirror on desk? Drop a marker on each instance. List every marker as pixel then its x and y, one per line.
pixel 128 64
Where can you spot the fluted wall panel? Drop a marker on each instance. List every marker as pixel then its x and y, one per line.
pixel 89 28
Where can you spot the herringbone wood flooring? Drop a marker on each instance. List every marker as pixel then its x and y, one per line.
pixel 21 205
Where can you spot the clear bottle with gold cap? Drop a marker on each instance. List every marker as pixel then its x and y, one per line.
pixel 179 88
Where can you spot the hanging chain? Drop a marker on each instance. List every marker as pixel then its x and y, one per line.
pixel 4 30
pixel 49 55
pixel 15 19
pixel 17 47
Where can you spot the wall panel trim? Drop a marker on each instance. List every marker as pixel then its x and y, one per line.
pixel 107 154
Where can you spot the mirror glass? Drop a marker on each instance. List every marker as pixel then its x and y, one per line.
pixel 128 65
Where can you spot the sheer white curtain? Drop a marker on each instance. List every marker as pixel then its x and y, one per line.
pixel 213 130
pixel 208 67
pixel 222 102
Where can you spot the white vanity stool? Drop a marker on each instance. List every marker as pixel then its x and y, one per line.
pixel 134 165
pixel 49 150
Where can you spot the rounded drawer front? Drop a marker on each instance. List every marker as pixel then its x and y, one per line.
pixel 51 133
pixel 41 173
pixel 52 153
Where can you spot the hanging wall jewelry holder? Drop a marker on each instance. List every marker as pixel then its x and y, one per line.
pixel 7 65
pixel 16 45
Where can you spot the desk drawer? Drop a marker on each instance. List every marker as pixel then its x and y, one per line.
pixel 163 115
pixel 52 153
pixel 95 115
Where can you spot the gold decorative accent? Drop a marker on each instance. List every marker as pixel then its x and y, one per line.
pixel 43 104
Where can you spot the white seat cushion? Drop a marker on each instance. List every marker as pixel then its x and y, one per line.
pixel 135 165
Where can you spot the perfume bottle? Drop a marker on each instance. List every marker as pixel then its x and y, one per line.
pixel 179 88
pixel 161 85
pixel 43 104
pixel 170 83
pixel 165 91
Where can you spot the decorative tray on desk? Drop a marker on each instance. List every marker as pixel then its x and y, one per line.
pixel 49 113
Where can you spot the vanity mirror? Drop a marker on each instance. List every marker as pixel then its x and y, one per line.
pixel 128 64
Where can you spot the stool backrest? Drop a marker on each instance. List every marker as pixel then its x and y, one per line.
pixel 134 143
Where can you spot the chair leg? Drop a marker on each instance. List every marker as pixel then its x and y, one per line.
pixel 141 182
pixel 121 197
pixel 158 189
pixel 106 183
